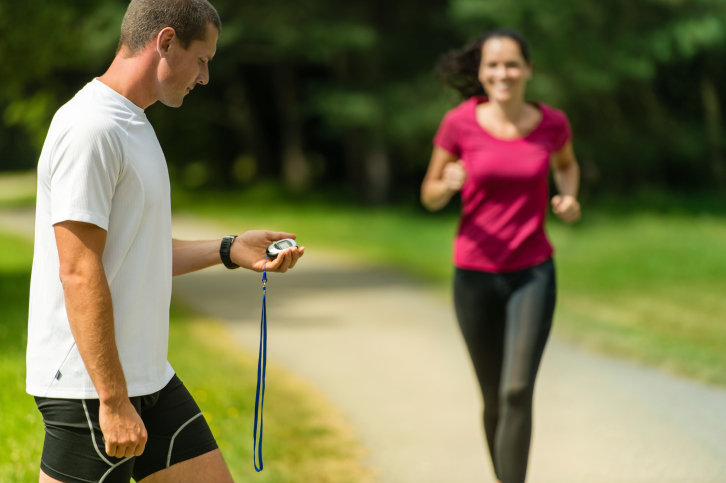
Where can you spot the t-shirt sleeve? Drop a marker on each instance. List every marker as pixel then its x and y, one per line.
pixel 564 131
pixel 86 164
pixel 447 135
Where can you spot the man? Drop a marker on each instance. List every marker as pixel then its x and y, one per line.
pixel 104 257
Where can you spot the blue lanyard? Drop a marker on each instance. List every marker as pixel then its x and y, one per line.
pixel 261 370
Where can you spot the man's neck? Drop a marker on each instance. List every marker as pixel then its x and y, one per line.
pixel 133 77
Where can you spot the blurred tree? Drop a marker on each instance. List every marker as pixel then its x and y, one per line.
pixel 43 47
pixel 336 75
pixel 638 78
pixel 318 94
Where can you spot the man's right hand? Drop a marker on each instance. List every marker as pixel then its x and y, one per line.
pixel 123 429
pixel 249 251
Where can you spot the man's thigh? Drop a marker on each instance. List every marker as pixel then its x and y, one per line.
pixel 43 478
pixel 74 449
pixel 208 468
pixel 177 431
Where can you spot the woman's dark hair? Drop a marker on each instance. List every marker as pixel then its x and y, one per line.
pixel 459 68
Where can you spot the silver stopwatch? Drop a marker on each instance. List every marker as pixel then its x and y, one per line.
pixel 280 246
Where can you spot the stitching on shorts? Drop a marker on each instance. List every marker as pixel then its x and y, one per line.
pixel 61 473
pixel 171 444
pixel 93 435
pixel 113 468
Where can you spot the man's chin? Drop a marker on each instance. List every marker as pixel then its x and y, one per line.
pixel 172 102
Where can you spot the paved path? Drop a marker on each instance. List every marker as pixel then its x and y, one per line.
pixel 388 353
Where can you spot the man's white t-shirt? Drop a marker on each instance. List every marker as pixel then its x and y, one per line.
pixel 102 164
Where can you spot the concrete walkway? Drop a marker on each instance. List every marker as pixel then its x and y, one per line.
pixel 388 353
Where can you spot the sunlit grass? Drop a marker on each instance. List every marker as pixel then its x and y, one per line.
pixel 305 438
pixel 20 423
pixel 17 188
pixel 647 286
pixel 399 237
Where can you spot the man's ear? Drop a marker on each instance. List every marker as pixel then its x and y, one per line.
pixel 164 41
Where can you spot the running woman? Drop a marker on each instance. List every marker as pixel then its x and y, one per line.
pixel 496 149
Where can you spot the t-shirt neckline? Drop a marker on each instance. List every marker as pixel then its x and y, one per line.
pixel 481 99
pixel 120 98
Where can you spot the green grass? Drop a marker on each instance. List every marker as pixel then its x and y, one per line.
pixel 22 426
pixel 407 238
pixel 647 286
pixel 17 188
pixel 306 440
pixel 644 285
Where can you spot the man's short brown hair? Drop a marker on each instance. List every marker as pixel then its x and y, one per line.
pixel 144 20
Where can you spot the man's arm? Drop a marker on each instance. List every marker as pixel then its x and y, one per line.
pixel 90 313
pixel 247 251
pixel 190 256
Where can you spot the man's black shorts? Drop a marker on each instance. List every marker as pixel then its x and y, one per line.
pixel 74 448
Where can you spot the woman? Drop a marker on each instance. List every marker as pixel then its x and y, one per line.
pixel 497 150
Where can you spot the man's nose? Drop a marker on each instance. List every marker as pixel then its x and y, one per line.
pixel 203 77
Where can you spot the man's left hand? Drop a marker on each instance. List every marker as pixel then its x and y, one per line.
pixel 250 249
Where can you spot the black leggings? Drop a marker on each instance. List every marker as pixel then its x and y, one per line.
pixel 505 319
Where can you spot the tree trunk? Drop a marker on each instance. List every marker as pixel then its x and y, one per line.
pixel 378 171
pixel 714 129
pixel 295 168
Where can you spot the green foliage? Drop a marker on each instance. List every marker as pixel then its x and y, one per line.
pixel 32 114
pixel 630 75
pixel 640 80
pixel 346 109
pixel 44 48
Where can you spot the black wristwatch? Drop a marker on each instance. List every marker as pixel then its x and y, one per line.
pixel 224 252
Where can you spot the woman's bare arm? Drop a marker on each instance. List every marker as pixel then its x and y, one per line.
pixel 444 178
pixel 567 179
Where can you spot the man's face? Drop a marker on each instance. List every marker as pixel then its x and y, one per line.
pixel 182 69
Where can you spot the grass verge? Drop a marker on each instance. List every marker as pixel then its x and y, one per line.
pixel 20 421
pixel 649 287
pixel 17 189
pixel 306 440
pixel 644 285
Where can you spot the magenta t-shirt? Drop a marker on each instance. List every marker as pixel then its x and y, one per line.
pixel 505 197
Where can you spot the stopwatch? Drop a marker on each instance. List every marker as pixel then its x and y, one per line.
pixel 280 246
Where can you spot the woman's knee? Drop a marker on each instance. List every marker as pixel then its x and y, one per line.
pixel 516 395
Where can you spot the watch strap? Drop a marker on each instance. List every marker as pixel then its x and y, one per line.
pixel 224 252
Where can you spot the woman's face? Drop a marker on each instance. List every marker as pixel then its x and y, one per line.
pixel 503 71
